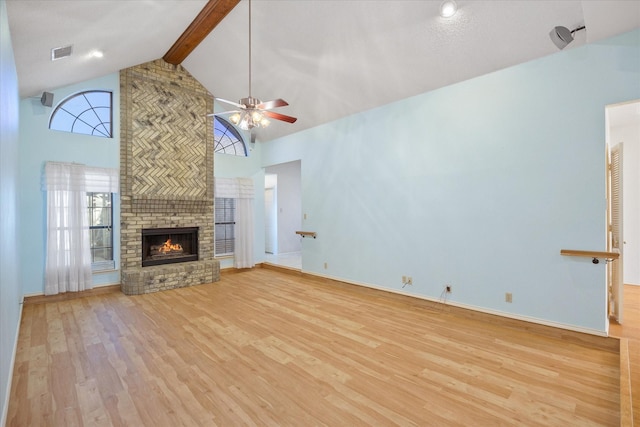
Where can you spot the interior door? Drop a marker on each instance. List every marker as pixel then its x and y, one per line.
pixel 615 242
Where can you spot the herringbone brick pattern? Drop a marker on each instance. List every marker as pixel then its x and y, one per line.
pixel 169 141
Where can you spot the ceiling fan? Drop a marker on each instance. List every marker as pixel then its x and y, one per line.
pixel 251 112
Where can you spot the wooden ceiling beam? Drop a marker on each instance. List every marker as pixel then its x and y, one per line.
pixel 210 16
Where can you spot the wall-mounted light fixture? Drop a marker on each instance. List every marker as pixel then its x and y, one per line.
pixel 562 36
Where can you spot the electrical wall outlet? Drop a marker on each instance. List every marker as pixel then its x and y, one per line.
pixel 404 280
pixel 326 265
pixel 508 297
pixel 448 288
pixel 409 280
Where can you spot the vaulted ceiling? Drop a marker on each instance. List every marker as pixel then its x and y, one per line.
pixel 327 58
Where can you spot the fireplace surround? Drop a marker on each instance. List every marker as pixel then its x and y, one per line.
pixel 166 178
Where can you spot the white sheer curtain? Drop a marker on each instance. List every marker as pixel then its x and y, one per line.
pixel 68 266
pixel 68 263
pixel 240 189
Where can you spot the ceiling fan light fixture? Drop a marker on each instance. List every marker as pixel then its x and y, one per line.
pixel 448 8
pixel 256 116
pixel 235 118
pixel 248 120
pixel 245 122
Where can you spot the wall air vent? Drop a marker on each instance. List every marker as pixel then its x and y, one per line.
pixel 61 52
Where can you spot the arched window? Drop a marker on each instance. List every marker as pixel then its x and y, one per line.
pixel 227 138
pixel 88 113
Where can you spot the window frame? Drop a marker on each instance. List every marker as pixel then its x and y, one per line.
pixel 225 222
pixel 232 135
pixel 78 114
pixel 103 265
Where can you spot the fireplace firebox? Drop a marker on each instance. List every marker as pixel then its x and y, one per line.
pixel 169 245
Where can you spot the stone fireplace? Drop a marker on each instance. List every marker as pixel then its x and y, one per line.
pixel 166 180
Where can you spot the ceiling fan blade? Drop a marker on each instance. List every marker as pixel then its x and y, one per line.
pixel 267 105
pixel 279 116
pixel 235 104
pixel 221 113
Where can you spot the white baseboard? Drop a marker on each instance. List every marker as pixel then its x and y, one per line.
pixel 5 407
pixel 474 308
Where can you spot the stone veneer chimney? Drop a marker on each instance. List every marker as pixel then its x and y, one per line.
pixel 166 172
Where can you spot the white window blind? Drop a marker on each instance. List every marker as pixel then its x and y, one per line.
pixel 233 188
pixel 78 177
pixel 102 180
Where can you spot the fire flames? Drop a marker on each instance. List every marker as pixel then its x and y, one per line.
pixel 169 247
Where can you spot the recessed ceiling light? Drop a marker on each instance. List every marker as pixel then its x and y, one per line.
pixel 96 54
pixel 448 8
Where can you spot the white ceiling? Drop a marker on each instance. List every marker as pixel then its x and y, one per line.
pixel 327 58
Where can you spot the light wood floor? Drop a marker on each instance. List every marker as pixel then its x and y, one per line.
pixel 271 349
pixel 630 330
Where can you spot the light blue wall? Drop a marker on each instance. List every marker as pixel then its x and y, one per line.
pixel 229 166
pixel 10 283
pixel 38 145
pixel 478 185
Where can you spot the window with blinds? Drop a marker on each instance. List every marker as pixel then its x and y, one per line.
pixel 225 214
pixel 99 206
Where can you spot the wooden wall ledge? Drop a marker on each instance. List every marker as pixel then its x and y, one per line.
pixel 590 254
pixel 307 233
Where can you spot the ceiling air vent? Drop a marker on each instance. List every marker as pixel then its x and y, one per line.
pixel 61 52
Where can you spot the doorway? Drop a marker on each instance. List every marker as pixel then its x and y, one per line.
pixel 623 140
pixel 270 214
pixel 283 214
